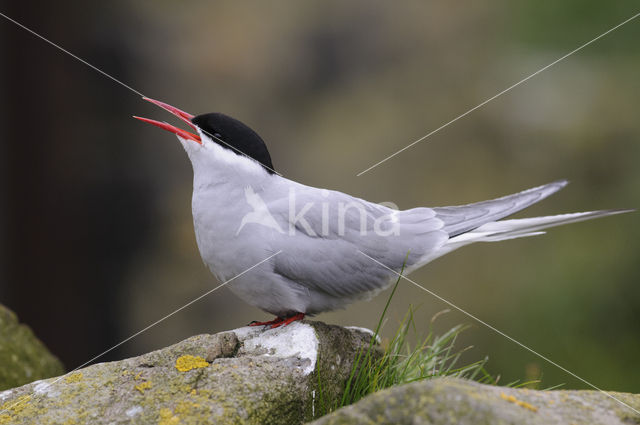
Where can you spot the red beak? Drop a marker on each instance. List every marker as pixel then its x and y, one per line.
pixel 184 116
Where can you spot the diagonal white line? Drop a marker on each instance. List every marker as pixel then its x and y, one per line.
pixel 499 94
pixel 237 150
pixel 375 165
pixel 69 53
pixel 210 135
pixel 154 323
pixel 499 332
pixel 119 82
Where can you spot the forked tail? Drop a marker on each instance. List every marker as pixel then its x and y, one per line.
pixel 518 228
pixel 481 221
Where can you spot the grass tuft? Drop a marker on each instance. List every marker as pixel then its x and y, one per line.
pixel 402 362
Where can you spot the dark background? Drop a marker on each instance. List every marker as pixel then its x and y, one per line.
pixel 97 240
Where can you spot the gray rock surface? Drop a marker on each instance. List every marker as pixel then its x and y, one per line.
pixel 244 376
pixel 455 401
pixel 259 376
pixel 23 358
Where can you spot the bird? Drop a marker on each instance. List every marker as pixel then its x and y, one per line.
pixel 294 250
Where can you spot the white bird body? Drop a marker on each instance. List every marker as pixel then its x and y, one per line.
pixel 327 248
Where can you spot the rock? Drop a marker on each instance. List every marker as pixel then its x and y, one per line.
pixel 23 358
pixel 245 376
pixel 254 375
pixel 456 401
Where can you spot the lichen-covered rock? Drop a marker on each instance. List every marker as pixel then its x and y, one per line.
pixel 245 376
pixel 23 358
pixel 455 401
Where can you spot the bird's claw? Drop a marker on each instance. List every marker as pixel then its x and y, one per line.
pixel 279 321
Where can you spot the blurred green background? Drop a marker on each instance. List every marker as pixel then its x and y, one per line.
pixel 96 220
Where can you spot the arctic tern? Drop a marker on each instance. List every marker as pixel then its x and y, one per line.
pixel 326 241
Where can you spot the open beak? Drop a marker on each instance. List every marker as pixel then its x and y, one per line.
pixel 184 116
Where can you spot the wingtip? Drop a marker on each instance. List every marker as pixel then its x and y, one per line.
pixel 561 182
pixel 622 211
pixel 609 212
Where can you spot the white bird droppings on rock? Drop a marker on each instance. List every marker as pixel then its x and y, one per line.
pixel 135 410
pixel 294 340
pixel 42 388
pixel 5 394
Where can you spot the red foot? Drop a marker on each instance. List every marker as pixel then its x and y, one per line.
pixel 288 320
pixel 270 322
pixel 279 321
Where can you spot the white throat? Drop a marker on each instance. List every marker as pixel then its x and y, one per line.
pixel 214 164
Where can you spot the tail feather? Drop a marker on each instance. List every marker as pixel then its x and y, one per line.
pixel 518 228
pixel 463 218
pixel 480 222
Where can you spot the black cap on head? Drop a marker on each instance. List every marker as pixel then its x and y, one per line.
pixel 235 136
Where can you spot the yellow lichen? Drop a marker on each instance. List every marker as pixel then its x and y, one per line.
pixel 167 417
pixel 194 392
pixel 137 376
pixel 143 386
pixel 185 388
pixel 520 403
pixel 15 407
pixel 75 377
pixel 188 362
pixel 185 407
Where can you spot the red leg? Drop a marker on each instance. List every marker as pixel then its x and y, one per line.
pixel 270 322
pixel 288 320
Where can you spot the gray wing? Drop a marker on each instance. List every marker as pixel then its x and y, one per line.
pixel 461 219
pixel 332 257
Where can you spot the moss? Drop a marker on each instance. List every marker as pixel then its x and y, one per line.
pixel 23 358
